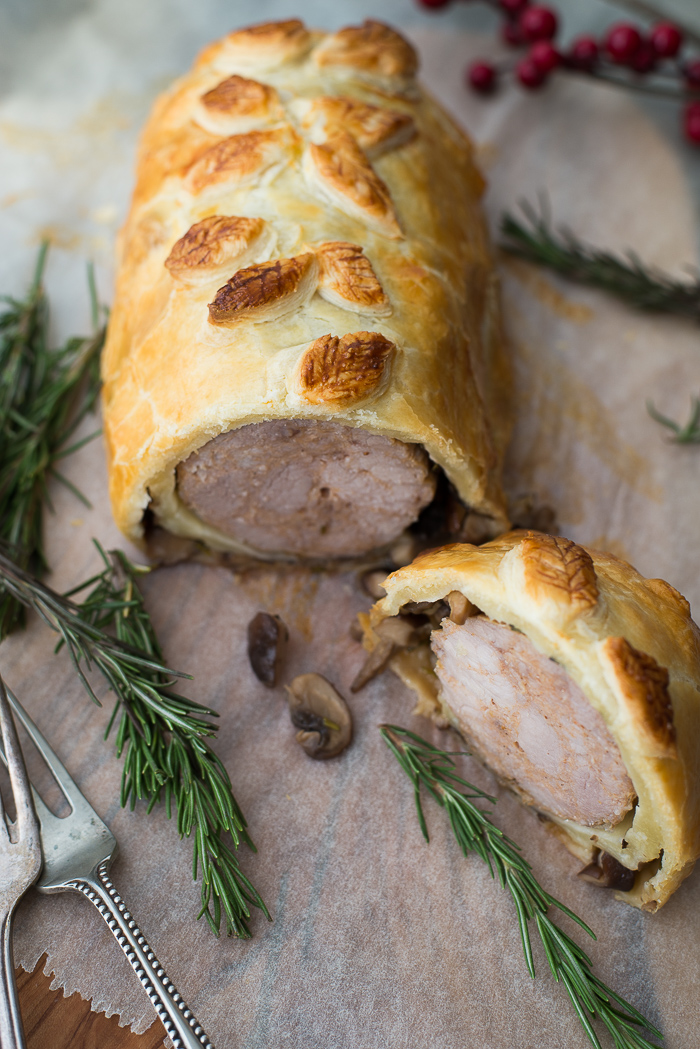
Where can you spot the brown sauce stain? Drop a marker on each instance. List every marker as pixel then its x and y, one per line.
pixel 546 293
pixel 14 198
pixel 67 147
pixel 566 411
pixel 611 546
pixel 290 592
pixel 487 154
pixel 58 236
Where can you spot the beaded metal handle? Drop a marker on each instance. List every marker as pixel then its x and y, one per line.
pixel 182 1027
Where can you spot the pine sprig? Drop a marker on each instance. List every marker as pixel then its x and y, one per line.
pixel 44 395
pixel 626 277
pixel 433 769
pixel 161 735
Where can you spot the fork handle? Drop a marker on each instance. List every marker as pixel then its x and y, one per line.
pixel 11 1030
pixel 181 1025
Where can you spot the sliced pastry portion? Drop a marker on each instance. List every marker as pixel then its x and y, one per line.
pixel 575 680
pixel 305 358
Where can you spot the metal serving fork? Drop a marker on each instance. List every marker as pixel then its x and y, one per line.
pixel 78 851
pixel 20 863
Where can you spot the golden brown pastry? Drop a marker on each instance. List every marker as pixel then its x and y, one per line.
pixel 576 680
pixel 305 339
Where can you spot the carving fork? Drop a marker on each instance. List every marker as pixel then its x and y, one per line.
pixel 78 851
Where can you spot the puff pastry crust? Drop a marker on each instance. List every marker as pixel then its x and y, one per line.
pixel 305 241
pixel 628 643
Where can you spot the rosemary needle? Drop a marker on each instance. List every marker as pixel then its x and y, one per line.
pixel 434 769
pixel 682 434
pixel 44 395
pixel 161 736
pixel 626 277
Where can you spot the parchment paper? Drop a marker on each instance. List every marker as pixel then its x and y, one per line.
pixel 378 939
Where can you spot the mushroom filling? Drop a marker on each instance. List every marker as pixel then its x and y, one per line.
pixel 320 714
pixel 306 487
pixel 531 723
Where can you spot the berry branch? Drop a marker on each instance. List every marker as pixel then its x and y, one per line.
pixel 650 60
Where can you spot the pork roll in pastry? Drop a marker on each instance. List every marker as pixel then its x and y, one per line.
pixel 305 341
pixel 576 680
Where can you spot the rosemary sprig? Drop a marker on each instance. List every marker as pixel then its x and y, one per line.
pixel 44 395
pixel 434 769
pixel 688 434
pixel 161 735
pixel 626 277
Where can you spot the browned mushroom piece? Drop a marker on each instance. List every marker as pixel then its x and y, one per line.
pixel 434 611
pixel 394 634
pixel 609 873
pixel 267 635
pixel 461 607
pixel 321 715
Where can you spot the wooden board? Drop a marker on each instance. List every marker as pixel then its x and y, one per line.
pixel 52 1019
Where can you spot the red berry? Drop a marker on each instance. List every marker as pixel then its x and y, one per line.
pixel 544 55
pixel 513 7
pixel 691 72
pixel 622 41
pixel 691 122
pixel 433 4
pixel 583 53
pixel 511 35
pixel 538 23
pixel 644 58
pixel 481 77
pixel 529 74
pixel 666 39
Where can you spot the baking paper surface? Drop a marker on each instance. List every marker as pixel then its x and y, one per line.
pixel 378 938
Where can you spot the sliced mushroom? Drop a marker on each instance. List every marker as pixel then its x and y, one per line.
pixel 321 715
pixel 395 633
pixel 609 873
pixel 434 611
pixel 267 635
pixel 461 608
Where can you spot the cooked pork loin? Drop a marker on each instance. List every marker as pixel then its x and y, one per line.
pixel 531 723
pixel 305 487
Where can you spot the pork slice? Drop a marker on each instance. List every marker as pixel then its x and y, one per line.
pixel 312 488
pixel 531 723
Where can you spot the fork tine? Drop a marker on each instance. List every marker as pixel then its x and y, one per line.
pixel 70 791
pixel 26 817
pixel 77 853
